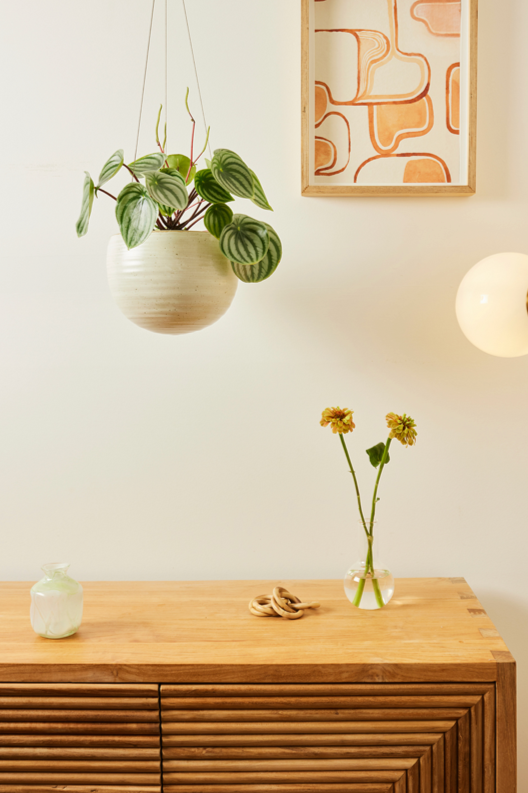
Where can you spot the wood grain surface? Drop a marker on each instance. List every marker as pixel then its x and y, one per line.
pixel 139 633
pixel 47 737
pixel 412 731
pixel 427 682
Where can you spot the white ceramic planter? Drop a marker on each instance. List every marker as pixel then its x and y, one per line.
pixel 176 282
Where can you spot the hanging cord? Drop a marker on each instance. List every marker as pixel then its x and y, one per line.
pixel 166 70
pixel 196 74
pixel 145 79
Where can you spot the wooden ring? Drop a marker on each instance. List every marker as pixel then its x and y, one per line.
pixel 281 603
pixel 262 605
pixel 289 615
pixel 313 605
pixel 284 599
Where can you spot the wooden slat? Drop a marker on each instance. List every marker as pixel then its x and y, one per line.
pixel 322 690
pixel 400 786
pixel 77 753
pixel 79 703
pixel 138 741
pixel 413 779
pixel 81 766
pixel 506 727
pixel 359 714
pixel 360 739
pixel 311 703
pixel 292 753
pixel 351 787
pixel 78 728
pixel 451 761
pixel 438 760
pixel 464 754
pixel 477 748
pixel 489 742
pixel 321 766
pixel 319 728
pixel 71 778
pixel 78 715
pixel 81 788
pixel 284 777
pixel 78 689
pixel 426 772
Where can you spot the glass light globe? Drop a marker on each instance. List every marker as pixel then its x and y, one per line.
pixel 491 305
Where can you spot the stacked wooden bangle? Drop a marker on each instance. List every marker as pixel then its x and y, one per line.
pixel 280 604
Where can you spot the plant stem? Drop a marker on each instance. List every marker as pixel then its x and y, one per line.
pixel 200 217
pixel 375 582
pixel 198 213
pixel 100 190
pixel 374 497
pixel 368 561
pixel 131 172
pixel 355 480
pixel 363 579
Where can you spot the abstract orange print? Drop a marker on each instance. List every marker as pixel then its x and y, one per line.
pixel 441 17
pixel 453 98
pixel 391 123
pixel 386 73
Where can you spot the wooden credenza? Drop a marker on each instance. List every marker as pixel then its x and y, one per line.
pixel 176 687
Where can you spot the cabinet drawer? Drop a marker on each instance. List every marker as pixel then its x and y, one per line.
pixel 382 738
pixel 88 738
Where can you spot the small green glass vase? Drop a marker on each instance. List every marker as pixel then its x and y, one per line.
pixel 56 603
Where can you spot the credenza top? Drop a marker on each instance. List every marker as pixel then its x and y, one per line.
pixel 433 629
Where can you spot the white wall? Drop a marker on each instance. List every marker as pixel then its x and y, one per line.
pixel 143 456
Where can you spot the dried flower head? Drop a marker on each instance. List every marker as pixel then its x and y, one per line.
pixel 402 428
pixel 339 419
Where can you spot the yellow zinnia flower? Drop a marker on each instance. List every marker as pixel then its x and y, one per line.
pixel 402 428
pixel 340 420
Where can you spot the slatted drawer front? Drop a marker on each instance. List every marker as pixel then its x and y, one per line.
pixel 76 737
pixel 346 738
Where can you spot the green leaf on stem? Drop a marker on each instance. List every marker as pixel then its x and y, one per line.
pixel 254 273
pixel 86 206
pixel 216 218
pixel 245 240
pixel 208 188
pixel 148 164
pixel 167 211
pixel 136 214
pixel 231 172
pixel 207 162
pixel 111 167
pixel 181 163
pixel 259 196
pixel 167 187
pixel 375 454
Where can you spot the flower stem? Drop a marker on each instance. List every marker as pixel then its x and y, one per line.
pixel 375 582
pixel 375 496
pixel 355 481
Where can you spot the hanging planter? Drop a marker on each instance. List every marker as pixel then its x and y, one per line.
pixel 163 276
pixel 175 282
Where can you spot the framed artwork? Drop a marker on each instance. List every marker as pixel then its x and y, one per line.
pixel 389 97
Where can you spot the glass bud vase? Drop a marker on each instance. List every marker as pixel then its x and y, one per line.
pixel 56 603
pixel 368 583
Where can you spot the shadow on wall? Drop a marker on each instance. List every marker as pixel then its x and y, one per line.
pixel 511 619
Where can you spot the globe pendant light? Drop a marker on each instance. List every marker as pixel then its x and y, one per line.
pixel 492 305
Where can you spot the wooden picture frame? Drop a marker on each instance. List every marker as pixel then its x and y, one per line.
pixel 350 53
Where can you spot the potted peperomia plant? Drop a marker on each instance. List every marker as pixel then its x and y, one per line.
pixel 163 276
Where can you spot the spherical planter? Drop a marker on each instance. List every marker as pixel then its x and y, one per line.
pixel 175 282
